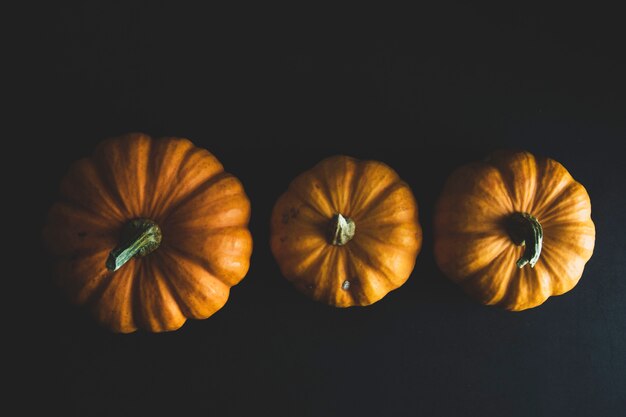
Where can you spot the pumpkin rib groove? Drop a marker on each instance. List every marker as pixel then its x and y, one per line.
pixel 164 155
pixel 309 278
pixel 474 233
pixel 230 199
pixel 182 200
pixel 335 291
pixel 78 290
pixel 509 180
pixel 548 206
pixel 383 194
pixel 331 290
pixel 524 287
pixel 238 193
pixel 192 258
pixel 305 259
pixel 364 199
pixel 177 160
pixel 140 175
pixel 213 231
pixel 354 184
pixel 241 222
pixel 534 180
pixel 213 304
pixel 235 207
pixel 305 199
pixel 552 224
pixel 325 188
pixel 540 172
pixel 356 292
pixel 382 269
pixel 347 271
pixel 497 194
pixel 105 196
pixel 110 187
pixel 136 297
pixel 88 211
pixel 97 298
pixel 511 293
pixel 175 294
pixel 366 234
pixel 547 265
pixel 387 217
pixel 195 259
pixel 488 264
pixel 506 258
pixel 73 246
pixel 572 243
pixel 557 251
pixel 564 285
pixel 81 254
pixel 96 292
pixel 203 153
pixel 544 285
pixel 497 197
pixel 305 202
pixel 566 179
pixel 362 294
pixel 76 238
pixel 320 291
pixel 214 277
pixel 108 280
pixel 154 161
pixel 316 255
pixel 329 175
pixel 163 267
pixel 189 153
pixel 322 189
pixel 166 316
pixel 127 160
pixel 554 209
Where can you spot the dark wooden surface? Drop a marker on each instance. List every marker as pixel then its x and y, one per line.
pixel 422 90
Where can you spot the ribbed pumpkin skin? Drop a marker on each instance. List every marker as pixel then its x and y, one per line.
pixel 203 213
pixel 474 249
pixel 388 237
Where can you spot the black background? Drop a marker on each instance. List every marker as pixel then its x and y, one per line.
pixel 271 91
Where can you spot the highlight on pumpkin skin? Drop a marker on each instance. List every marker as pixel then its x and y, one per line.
pixel 513 230
pixel 346 232
pixel 149 233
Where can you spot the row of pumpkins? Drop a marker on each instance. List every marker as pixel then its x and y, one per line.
pixel 151 232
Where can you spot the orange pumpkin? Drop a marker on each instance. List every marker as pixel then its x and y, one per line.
pixel 346 232
pixel 513 230
pixel 149 233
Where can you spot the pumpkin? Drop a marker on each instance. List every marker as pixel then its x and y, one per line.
pixel 513 230
pixel 148 233
pixel 346 232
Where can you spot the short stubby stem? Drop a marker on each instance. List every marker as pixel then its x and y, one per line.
pixel 139 238
pixel 341 230
pixel 525 230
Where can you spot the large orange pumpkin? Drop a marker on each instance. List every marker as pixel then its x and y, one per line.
pixel 149 232
pixel 346 232
pixel 513 230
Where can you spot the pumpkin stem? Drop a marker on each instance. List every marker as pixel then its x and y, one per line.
pixel 139 237
pixel 524 229
pixel 341 230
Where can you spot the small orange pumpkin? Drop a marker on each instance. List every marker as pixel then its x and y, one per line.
pixel 513 230
pixel 149 233
pixel 346 232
